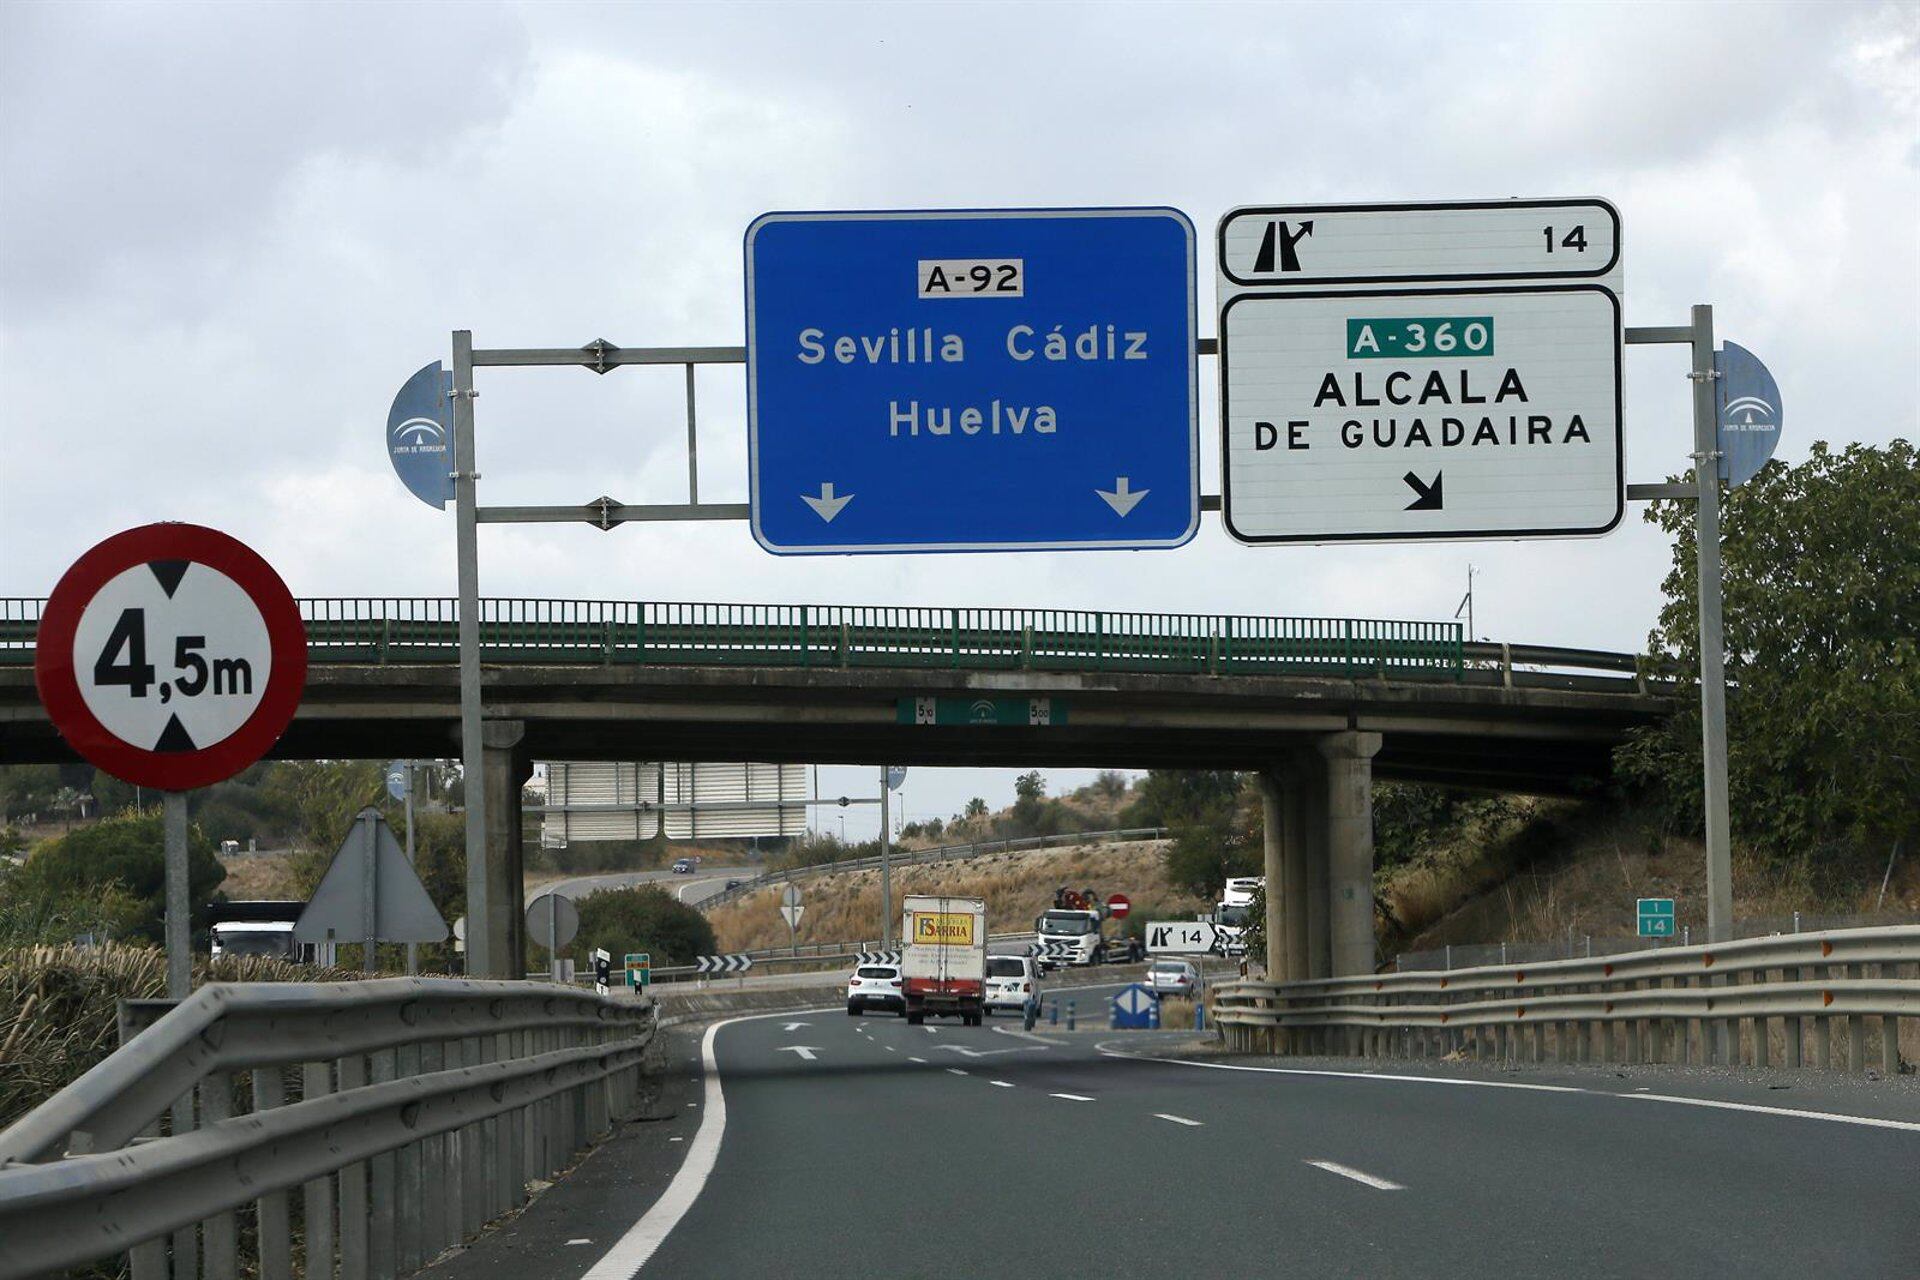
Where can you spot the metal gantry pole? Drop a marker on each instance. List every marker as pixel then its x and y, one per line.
pixel 173 826
pixel 886 871
pixel 1713 675
pixel 413 948
pixel 481 961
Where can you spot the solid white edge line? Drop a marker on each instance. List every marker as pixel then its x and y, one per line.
pixel 1378 1184
pixel 1833 1117
pixel 1192 1124
pixel 632 1250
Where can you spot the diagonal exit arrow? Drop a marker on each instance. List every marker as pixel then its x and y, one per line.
pixel 826 506
pixel 804 1050
pixel 1430 497
pixel 1121 498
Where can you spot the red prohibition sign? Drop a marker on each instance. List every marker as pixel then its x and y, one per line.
pixel 171 656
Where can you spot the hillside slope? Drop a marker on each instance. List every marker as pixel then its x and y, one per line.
pixel 1017 886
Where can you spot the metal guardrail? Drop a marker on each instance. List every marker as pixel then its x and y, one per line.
pixel 411 629
pixel 1706 1005
pixel 1573 946
pixel 941 853
pixel 409 1112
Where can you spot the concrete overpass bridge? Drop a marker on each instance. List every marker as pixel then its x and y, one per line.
pixel 1318 706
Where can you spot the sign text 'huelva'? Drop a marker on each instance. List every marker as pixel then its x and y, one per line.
pixel 972 380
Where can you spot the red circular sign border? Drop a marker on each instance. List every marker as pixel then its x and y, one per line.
pixel 53 670
pixel 1126 906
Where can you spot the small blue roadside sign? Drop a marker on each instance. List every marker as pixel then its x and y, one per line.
pixel 420 435
pixel 1134 1008
pixel 1749 401
pixel 982 380
pixel 1656 917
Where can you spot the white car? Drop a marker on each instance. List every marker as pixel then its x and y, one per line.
pixel 1173 978
pixel 1013 982
pixel 875 986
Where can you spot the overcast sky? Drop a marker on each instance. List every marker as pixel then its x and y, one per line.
pixel 229 232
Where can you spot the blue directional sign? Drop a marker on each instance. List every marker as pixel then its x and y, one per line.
pixel 1134 1007
pixel 986 380
pixel 420 435
pixel 1749 413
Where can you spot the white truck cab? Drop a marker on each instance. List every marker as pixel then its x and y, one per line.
pixel 1230 914
pixel 1079 929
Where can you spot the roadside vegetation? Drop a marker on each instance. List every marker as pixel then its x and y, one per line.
pixel 1017 886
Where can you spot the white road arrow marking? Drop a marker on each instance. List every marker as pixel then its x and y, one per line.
pixel 804 1050
pixel 1121 498
pixel 826 506
pixel 795 1026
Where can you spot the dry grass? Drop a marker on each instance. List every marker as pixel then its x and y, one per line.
pixel 57 1008
pixel 1589 883
pixel 845 907
pixel 259 875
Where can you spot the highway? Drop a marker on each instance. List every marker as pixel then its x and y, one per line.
pixel 814 1144
pixel 693 889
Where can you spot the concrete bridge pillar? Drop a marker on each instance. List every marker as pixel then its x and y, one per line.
pixel 1286 792
pixel 508 766
pixel 1349 828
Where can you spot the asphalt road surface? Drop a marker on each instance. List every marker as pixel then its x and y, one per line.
pixel 848 1147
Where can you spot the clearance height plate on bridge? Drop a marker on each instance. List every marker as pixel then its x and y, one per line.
pixel 1032 712
pixel 988 380
pixel 1395 373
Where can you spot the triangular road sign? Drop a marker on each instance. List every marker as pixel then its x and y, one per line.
pixel 402 911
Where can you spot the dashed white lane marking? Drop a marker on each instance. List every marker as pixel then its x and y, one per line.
pixel 1832 1117
pixel 1071 1097
pixel 1192 1124
pixel 579 1240
pixel 1001 1084
pixel 1378 1184
pixel 911 1058
pixel 955 1071
pixel 889 1048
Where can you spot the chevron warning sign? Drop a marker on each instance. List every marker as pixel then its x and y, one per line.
pixel 739 962
pixel 877 957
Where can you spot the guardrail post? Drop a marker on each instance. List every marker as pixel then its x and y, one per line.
pixel 382 1186
pixel 355 1213
pixel 438 1170
pixel 1856 1033
pixel 407 1201
pixel 270 1211
pixel 316 1081
pixel 1791 1028
pixel 221 1232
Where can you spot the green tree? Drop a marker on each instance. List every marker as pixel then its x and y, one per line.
pixel 976 808
pixel 1029 803
pixel 126 853
pixel 645 918
pixel 1822 624
pixel 1169 797
pixel 28 788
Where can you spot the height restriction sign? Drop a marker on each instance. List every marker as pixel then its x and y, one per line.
pixel 171 656
pixel 1394 373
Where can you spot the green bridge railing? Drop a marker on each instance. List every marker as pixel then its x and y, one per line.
pixel 422 629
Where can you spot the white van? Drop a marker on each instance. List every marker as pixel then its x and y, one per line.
pixel 1013 982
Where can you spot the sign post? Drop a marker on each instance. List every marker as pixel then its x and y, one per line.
pixel 891 776
pixel 171 656
pixel 1395 373
pixel 978 380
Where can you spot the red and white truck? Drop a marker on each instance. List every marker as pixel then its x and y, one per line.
pixel 943 961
